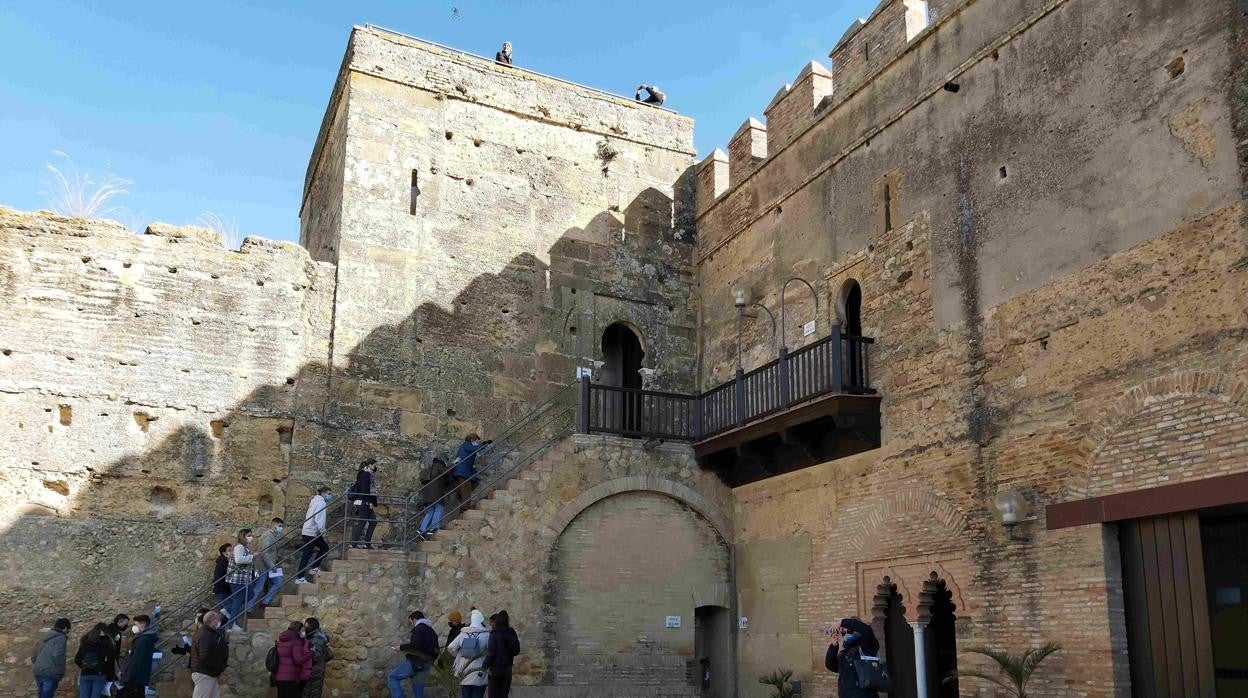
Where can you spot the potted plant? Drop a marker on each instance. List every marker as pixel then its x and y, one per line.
pixel 781 687
pixel 1013 671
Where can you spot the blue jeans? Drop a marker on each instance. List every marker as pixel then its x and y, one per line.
pixel 92 686
pixel 402 672
pixel 221 601
pixel 257 590
pixel 47 686
pixel 238 600
pixel 432 520
pixel 275 585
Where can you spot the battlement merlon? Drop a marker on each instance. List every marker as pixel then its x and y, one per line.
pixel 455 74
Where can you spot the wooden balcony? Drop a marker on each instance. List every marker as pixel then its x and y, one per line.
pixel 811 405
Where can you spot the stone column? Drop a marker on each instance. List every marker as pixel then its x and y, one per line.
pixel 920 656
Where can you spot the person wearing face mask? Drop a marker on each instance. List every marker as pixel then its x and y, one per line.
pixel 294 661
pixel 420 649
pixel 318 638
pixel 313 533
pixel 210 654
pixel 853 639
pixel 138 671
pixel 240 577
pixel 469 650
pixel 364 498
pixel 116 632
pixel 464 470
pixel 185 648
pixel 267 570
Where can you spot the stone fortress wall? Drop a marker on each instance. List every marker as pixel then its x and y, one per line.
pixel 1046 225
pixel 1054 277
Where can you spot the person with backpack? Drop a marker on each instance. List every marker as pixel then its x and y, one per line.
pixel 852 641
pixel 49 658
pixel 210 654
pixel 139 666
pixel 421 649
pixel 364 498
pixel 500 653
pixel 294 661
pixel 469 651
pixel 321 654
pixel 91 659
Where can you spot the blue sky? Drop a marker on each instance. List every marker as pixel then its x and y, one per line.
pixel 213 107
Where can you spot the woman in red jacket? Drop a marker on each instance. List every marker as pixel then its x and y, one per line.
pixel 294 662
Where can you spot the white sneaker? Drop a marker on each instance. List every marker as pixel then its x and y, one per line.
pixel 234 629
pixel 314 571
pixel 300 580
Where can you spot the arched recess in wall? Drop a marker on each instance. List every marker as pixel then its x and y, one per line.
pixel 849 307
pixel 1171 429
pixel 620 568
pixel 623 353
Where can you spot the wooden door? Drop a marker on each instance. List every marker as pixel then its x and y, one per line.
pixel 1167 612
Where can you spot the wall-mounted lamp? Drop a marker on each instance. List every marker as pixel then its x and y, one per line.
pixel 740 296
pixel 1013 508
pixel 741 299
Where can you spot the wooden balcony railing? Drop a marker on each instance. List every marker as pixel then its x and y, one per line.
pixel 836 364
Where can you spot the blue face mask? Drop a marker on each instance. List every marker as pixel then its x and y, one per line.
pixel 327 497
pixel 852 639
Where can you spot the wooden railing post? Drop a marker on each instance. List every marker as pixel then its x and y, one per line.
pixel 582 407
pixel 738 391
pixel 837 360
pixel 786 396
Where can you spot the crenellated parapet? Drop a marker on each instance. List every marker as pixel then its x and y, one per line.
pixel 712 179
pixel 794 107
pixel 866 47
pixel 746 150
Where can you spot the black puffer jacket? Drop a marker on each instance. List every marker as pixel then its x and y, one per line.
pixel 841 662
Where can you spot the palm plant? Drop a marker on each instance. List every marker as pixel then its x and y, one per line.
pixel 1013 671
pixel 779 682
pixel 442 674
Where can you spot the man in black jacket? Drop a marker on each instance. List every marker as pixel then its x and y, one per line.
pixel 116 632
pixel 421 650
pixel 210 653
pixel 500 653
pixel 363 497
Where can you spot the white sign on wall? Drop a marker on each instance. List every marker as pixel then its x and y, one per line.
pixel 743 623
pixel 584 372
pixel 808 329
pixel 673 621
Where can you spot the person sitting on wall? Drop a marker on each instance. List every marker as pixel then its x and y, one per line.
pixel 654 95
pixel 504 56
pixel 464 471
pixel 364 498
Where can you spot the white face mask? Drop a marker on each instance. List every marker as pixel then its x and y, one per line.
pixel 278 529
pixel 135 629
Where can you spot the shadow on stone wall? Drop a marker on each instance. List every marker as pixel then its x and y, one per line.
pixel 144 528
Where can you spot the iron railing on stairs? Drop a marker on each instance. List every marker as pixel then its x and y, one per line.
pixel 398 518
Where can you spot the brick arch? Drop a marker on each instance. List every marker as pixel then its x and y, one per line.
pixel 1209 384
pixel 639 483
pixel 869 520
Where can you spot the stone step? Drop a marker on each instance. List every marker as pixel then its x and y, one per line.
pixel 430 546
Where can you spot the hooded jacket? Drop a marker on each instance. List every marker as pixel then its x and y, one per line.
pixel 466 459
pixel 314 521
pixel 422 645
pixel 139 668
pixel 49 655
pixel 473 670
pixel 294 657
pixel 841 663
pixel 503 645
pixel 210 651
pixel 321 654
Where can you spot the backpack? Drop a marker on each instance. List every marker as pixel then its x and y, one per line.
pixel 272 660
pixel 472 646
pixel 92 663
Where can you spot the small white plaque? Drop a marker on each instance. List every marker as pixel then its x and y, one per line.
pixel 743 622
pixel 673 621
pixel 808 329
pixel 584 372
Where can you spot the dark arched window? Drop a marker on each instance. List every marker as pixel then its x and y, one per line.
pixel 851 308
pixel 621 355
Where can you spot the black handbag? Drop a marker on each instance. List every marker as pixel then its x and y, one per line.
pixel 872 673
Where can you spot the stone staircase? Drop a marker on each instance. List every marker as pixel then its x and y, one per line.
pixel 360 602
